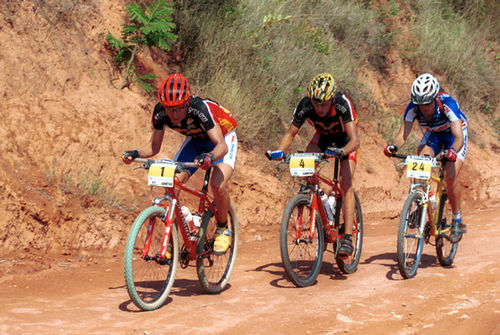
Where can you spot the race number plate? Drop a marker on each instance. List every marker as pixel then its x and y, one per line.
pixel 418 167
pixel 161 174
pixel 302 165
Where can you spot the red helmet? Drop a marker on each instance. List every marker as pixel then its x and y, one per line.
pixel 174 91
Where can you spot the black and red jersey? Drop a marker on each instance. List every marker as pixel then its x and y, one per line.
pixel 202 115
pixel 341 112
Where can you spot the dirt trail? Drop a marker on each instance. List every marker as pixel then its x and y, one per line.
pixel 61 252
pixel 89 297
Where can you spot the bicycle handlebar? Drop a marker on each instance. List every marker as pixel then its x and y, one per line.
pixel 319 157
pixel 147 162
pixel 399 156
pixel 440 157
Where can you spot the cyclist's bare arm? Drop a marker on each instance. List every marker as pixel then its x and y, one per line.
pixel 151 148
pixel 215 135
pixel 402 134
pixel 287 139
pixel 352 133
pixel 456 131
pixel 154 145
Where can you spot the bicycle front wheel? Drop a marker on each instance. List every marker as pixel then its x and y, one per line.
pixel 445 250
pixel 148 276
pixel 350 264
pixel 214 270
pixel 301 251
pixel 410 236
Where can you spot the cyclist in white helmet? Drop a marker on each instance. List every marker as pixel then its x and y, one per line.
pixel 444 127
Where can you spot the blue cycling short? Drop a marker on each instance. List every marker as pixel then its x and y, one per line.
pixel 444 140
pixel 193 146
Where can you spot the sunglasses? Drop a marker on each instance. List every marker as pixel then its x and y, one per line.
pixel 176 109
pixel 427 104
pixel 321 103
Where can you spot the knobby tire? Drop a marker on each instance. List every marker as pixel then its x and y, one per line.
pixel 350 264
pixel 302 256
pixel 445 250
pixel 148 281
pixel 214 270
pixel 410 240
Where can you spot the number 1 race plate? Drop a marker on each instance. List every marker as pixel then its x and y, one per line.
pixel 161 174
pixel 418 167
pixel 302 165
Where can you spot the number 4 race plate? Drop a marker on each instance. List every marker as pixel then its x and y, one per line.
pixel 419 167
pixel 302 165
pixel 161 174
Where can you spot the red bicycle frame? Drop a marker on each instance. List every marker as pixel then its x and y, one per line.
pixel 190 239
pixel 317 205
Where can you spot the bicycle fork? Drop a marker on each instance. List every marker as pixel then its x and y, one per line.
pixel 300 222
pixel 423 218
pixel 168 218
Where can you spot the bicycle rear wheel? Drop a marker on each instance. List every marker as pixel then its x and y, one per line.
pixel 302 253
pixel 148 277
pixel 350 264
pixel 214 270
pixel 410 236
pixel 445 250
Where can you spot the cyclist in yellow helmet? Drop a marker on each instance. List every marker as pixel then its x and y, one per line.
pixel 333 116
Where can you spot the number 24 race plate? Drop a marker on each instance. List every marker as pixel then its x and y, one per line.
pixel 418 167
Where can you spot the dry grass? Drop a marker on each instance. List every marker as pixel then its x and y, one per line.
pixel 257 57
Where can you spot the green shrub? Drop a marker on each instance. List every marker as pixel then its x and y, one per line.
pixel 152 27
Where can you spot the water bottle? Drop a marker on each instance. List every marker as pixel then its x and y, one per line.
pixel 328 209
pixel 333 203
pixel 197 220
pixel 432 198
pixel 187 217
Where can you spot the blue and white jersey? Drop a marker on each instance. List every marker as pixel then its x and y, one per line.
pixel 443 116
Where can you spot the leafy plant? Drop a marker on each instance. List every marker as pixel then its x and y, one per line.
pixel 153 28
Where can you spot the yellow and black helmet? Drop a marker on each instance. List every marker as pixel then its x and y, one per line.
pixel 322 88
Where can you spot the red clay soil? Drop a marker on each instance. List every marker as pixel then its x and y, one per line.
pixel 63 128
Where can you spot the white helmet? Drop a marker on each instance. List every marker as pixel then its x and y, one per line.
pixel 424 89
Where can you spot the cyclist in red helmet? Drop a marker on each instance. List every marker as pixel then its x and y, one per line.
pixel 210 141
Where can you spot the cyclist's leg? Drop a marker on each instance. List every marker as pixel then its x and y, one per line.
pixel 222 173
pixel 319 143
pixel 429 146
pixel 186 153
pixel 452 170
pixel 313 145
pixel 220 178
pixel 347 168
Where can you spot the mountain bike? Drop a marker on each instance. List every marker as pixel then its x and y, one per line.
pixel 152 252
pixel 305 230
pixel 419 221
